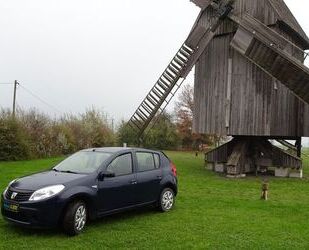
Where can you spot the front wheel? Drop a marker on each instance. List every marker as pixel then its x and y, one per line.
pixel 167 200
pixel 75 218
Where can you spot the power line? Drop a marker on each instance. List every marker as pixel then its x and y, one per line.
pixel 40 99
pixel 6 83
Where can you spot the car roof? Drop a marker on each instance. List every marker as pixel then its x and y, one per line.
pixel 117 150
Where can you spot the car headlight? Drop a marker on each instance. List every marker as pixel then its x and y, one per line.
pixel 6 189
pixel 46 192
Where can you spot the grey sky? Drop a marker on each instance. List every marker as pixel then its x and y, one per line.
pixel 79 53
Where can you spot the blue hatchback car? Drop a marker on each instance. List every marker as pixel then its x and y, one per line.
pixel 89 184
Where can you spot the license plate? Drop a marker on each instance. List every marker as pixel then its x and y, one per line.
pixel 11 207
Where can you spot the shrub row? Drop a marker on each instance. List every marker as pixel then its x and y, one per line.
pixel 32 134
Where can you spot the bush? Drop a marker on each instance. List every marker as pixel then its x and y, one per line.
pixel 34 134
pixel 14 144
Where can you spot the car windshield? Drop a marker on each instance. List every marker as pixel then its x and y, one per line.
pixel 82 162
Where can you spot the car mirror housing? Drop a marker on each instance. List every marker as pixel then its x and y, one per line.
pixel 106 175
pixel 109 175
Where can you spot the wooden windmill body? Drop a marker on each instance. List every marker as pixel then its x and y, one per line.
pixel 250 83
pixel 235 97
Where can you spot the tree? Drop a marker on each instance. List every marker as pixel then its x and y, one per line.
pixel 127 135
pixel 184 116
pixel 184 111
pixel 163 135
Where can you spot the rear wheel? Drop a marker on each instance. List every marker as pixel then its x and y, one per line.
pixel 75 218
pixel 167 200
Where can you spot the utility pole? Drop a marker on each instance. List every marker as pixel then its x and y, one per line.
pixel 14 97
pixel 113 125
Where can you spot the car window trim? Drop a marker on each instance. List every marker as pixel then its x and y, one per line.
pixel 153 154
pixel 132 164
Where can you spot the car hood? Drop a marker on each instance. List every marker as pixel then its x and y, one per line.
pixel 44 179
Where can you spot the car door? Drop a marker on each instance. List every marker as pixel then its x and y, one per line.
pixel 149 175
pixel 119 191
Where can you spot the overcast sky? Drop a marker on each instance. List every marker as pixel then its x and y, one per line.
pixel 79 53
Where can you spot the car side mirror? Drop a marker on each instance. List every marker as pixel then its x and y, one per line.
pixel 109 174
pixel 106 175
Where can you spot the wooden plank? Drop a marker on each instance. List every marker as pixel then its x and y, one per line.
pixel 242 40
pixel 193 59
pixel 229 94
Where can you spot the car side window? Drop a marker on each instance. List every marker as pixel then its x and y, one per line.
pixel 157 160
pixel 145 161
pixel 122 165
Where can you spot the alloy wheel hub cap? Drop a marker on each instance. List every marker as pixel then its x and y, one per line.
pixel 168 200
pixel 80 218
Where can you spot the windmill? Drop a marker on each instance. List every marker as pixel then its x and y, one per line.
pixel 250 83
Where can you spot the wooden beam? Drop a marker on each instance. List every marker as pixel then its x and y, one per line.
pixel 196 35
pixel 228 95
pixel 203 4
pixel 266 48
pixel 287 144
pixel 260 30
pixel 298 146
pixel 202 46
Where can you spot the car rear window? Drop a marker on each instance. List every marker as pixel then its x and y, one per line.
pixel 147 161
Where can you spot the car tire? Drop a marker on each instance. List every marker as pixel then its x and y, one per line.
pixel 75 218
pixel 167 200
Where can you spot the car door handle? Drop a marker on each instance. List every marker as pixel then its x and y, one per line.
pixel 133 182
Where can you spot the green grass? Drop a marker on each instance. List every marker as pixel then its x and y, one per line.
pixel 212 212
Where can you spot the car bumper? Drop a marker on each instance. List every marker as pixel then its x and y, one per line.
pixel 45 214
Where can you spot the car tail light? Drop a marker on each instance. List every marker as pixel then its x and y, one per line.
pixel 174 170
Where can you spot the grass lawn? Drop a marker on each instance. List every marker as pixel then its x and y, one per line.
pixel 211 212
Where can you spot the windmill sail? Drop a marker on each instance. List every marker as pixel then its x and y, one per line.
pixel 268 50
pixel 177 70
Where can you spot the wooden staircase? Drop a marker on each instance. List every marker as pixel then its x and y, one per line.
pixel 177 70
pixel 161 91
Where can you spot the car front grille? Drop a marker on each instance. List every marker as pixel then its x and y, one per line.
pixel 22 195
